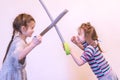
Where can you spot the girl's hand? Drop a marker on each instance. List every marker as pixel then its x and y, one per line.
pixel 75 40
pixel 81 39
pixel 36 40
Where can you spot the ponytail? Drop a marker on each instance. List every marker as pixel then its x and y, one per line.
pixel 9 45
pixel 99 46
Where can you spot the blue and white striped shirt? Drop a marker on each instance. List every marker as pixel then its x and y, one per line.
pixel 95 59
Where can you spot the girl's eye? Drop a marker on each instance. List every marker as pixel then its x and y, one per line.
pixel 32 27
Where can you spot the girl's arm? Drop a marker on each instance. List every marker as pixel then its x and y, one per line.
pixel 80 45
pixel 77 60
pixel 77 42
pixel 26 50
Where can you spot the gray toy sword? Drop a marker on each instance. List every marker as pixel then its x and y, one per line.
pixel 54 22
pixel 65 45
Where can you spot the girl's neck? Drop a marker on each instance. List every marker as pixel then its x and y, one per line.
pixel 23 37
pixel 91 42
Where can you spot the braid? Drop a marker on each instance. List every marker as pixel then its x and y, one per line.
pixel 9 45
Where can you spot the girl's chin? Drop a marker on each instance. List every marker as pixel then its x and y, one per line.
pixel 29 35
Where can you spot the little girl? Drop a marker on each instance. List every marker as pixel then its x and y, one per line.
pixel 14 63
pixel 87 40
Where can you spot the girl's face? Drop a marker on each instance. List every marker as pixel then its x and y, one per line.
pixel 30 29
pixel 81 34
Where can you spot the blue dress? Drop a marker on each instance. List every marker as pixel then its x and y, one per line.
pixel 12 69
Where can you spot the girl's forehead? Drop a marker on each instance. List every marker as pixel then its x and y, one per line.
pixel 81 29
pixel 31 23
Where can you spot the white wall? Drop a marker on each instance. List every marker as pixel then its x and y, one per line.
pixel 48 61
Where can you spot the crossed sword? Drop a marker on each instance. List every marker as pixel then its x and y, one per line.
pixel 54 22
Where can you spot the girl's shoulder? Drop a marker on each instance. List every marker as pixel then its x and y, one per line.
pixel 90 49
pixel 18 42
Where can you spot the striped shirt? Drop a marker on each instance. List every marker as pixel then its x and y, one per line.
pixel 95 59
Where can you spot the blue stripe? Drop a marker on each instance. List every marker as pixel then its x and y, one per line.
pixel 97 54
pixel 90 49
pixel 88 53
pixel 91 63
pixel 105 67
pixel 107 70
pixel 100 57
pixel 91 60
pixel 85 44
pixel 100 76
pixel 101 61
pixel 83 58
pixel 96 69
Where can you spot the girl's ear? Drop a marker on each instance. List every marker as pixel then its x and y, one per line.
pixel 23 29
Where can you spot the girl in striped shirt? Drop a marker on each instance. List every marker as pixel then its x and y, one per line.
pixel 87 40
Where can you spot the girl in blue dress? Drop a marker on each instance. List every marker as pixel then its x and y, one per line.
pixel 14 62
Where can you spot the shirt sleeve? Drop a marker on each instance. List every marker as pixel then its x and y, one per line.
pixel 87 54
pixel 85 44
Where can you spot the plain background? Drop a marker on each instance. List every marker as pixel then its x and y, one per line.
pixel 48 61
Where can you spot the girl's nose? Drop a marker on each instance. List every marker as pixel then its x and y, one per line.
pixel 33 31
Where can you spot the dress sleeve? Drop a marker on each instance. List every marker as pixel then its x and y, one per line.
pixel 87 54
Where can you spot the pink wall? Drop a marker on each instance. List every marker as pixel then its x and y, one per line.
pixel 48 61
